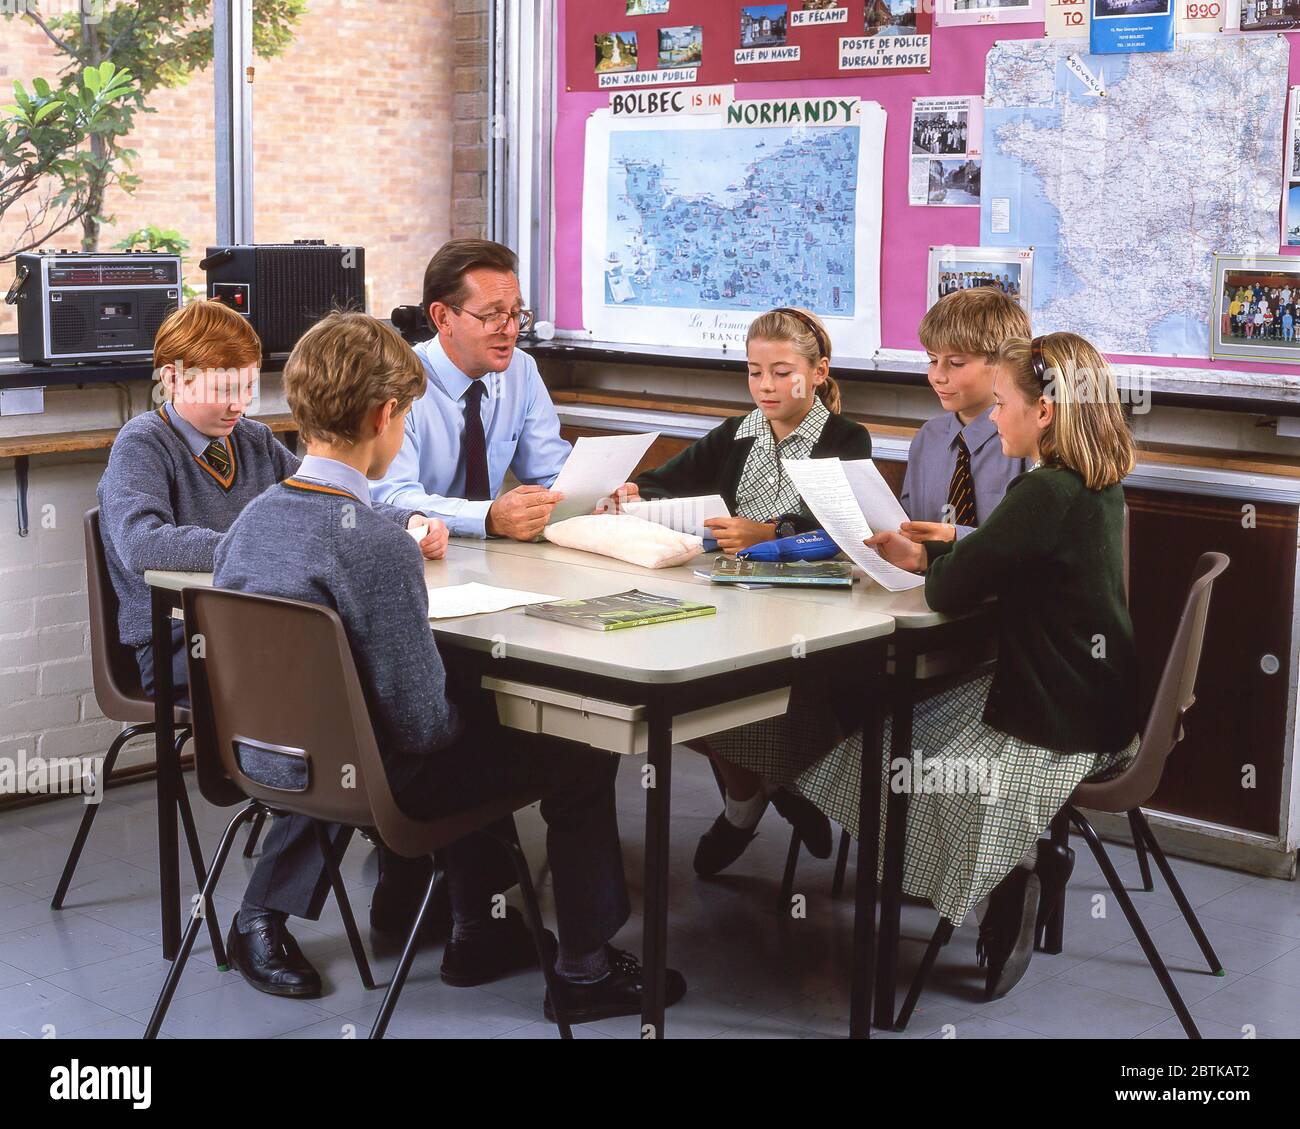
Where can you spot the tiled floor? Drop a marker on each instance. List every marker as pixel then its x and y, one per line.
pixel 94 969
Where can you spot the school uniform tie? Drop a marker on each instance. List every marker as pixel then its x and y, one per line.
pixel 476 467
pixel 217 457
pixel 961 490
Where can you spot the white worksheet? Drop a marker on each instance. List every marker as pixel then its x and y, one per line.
pixel 475 599
pixel 597 466
pixel 685 515
pixel 825 489
pixel 874 497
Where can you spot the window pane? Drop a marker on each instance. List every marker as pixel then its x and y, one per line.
pixel 163 195
pixel 353 136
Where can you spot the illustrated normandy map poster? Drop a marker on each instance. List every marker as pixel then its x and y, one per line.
pixel 694 225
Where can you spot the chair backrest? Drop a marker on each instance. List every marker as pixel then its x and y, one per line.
pixel 1175 695
pixel 279 712
pixel 115 674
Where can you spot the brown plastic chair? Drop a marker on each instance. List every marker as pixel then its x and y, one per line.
pixel 295 697
pixel 116 678
pixel 1129 790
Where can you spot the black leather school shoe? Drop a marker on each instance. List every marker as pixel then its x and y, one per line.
pixel 721 845
pixel 1006 942
pixel 268 957
pixel 619 993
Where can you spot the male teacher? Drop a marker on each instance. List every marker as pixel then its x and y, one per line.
pixel 486 409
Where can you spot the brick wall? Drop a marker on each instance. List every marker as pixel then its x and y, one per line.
pixel 364 146
pixel 471 121
pixel 382 145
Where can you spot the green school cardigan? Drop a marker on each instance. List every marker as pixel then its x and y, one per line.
pixel 1052 554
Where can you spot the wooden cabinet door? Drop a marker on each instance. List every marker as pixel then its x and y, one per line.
pixel 1240 715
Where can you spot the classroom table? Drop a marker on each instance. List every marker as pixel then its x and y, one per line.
pixel 668 669
pixel 919 632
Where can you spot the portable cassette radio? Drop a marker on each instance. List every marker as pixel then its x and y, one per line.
pixel 76 306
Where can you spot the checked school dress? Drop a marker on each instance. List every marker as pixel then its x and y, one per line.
pixel 979 798
pixel 996 756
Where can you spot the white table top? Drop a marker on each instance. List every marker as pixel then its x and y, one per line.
pixel 908 609
pixel 738 636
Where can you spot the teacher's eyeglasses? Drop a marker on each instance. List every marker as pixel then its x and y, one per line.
pixel 497 322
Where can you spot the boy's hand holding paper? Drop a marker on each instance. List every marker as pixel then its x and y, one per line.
pixel 430 534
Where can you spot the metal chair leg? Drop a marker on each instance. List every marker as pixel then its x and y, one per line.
pixel 841 863
pixel 404 962
pixel 1135 923
pixel 533 915
pixel 196 861
pixel 1139 845
pixel 1166 871
pixel 255 832
pixel 787 879
pixel 192 929
pixel 942 935
pixel 345 906
pixel 88 816
pixel 1053 940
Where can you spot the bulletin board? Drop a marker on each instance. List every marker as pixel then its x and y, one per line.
pixel 958 55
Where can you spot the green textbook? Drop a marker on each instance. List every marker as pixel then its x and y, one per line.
pixel 624 609
pixel 821 574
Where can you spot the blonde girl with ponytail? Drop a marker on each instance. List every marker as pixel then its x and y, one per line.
pixel 796 415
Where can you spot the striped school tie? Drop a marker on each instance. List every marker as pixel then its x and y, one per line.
pixel 961 490
pixel 217 457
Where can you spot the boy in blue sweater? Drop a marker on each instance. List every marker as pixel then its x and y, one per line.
pixel 350 383
pixel 178 477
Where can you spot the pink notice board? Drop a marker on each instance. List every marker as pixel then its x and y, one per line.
pixel 957 58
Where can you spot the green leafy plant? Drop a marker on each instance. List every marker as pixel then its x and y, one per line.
pixel 46 166
pixel 161 43
pixel 155 238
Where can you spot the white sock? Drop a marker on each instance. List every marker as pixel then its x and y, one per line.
pixel 746 813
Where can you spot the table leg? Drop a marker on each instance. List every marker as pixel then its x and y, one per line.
pixel 655 927
pixel 896 804
pixel 167 774
pixel 865 885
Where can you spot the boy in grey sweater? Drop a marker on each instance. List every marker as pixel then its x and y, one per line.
pixel 350 383
pixel 178 477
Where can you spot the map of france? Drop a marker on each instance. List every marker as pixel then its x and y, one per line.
pixel 1126 197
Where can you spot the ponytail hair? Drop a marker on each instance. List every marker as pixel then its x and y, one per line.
pixel 810 338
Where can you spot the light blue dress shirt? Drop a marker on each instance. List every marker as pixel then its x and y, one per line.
pixel 194 438
pixel 519 423
pixel 331 472
pixel 932 458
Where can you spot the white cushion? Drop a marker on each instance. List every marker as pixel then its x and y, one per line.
pixel 626 538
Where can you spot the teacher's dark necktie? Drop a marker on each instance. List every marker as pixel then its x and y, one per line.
pixel 476 466
pixel 961 490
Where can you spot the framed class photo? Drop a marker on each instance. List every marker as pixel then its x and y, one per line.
pixel 1256 308
pixel 1010 269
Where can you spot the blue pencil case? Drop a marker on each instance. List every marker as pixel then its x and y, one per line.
pixel 814 545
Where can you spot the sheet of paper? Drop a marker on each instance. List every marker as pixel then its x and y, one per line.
pixel 597 466
pixel 874 497
pixel 685 515
pixel 475 599
pixel 825 489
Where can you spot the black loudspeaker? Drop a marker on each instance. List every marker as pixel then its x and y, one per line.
pixel 286 288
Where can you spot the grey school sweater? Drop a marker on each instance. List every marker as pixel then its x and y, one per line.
pixel 310 541
pixel 161 507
